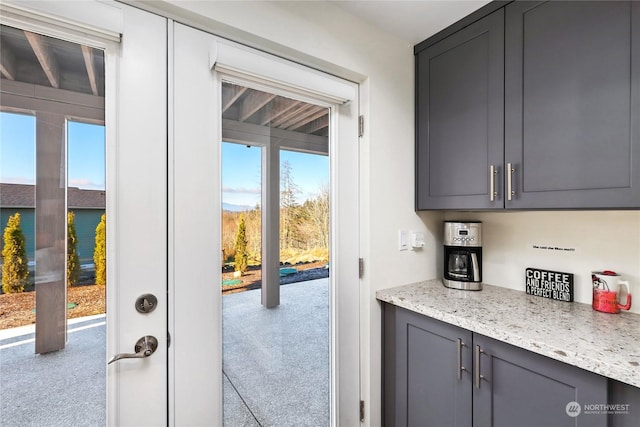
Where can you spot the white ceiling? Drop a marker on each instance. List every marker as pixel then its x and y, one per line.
pixel 414 20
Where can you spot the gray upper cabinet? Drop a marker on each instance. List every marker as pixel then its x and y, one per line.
pixel 548 93
pixel 572 104
pixel 460 116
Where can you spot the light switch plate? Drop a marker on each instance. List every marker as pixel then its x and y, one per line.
pixel 403 240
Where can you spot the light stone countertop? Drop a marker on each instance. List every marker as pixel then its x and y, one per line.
pixel 574 333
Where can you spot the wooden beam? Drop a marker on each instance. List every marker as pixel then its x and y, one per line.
pixel 316 125
pixel 230 94
pixel 87 53
pixel 309 110
pixel 7 63
pixel 303 120
pixel 254 102
pixel 279 106
pixel 250 134
pixel 300 108
pixel 46 59
pixel 21 96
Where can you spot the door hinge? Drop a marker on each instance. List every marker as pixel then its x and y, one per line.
pixel 362 411
pixel 360 126
pixel 360 267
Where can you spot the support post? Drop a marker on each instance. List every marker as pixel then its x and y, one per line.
pixel 51 233
pixel 271 225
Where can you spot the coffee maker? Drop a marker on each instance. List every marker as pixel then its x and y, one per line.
pixel 463 255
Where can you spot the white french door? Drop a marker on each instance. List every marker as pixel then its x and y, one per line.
pixel 136 91
pixel 135 117
pixel 198 64
pixel 163 85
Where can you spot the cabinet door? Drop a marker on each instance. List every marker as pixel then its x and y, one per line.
pixel 628 395
pixel 460 117
pixel 572 104
pixel 422 387
pixel 524 389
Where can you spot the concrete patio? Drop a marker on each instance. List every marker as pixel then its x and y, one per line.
pixel 275 365
pixel 276 361
pixel 64 388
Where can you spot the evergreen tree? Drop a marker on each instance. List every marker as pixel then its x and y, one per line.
pixel 242 254
pixel 73 261
pixel 289 207
pixel 100 252
pixel 15 267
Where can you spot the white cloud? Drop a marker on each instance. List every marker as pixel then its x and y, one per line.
pixel 85 183
pixel 17 180
pixel 241 190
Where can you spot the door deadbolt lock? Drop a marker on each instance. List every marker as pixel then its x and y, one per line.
pixel 146 303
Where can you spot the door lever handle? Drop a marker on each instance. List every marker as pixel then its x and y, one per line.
pixel 144 347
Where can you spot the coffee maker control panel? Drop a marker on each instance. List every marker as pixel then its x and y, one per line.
pixel 463 234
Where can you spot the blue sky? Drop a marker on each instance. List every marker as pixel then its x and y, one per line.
pixel 85 152
pixel 17 148
pixel 241 171
pixel 86 162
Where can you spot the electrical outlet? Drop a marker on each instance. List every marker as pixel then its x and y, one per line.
pixel 403 240
pixel 417 239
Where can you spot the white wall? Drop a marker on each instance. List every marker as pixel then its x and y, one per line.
pixel 600 240
pixel 324 36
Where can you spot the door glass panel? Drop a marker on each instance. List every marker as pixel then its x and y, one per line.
pixel 241 209
pixel 276 368
pixel 52 205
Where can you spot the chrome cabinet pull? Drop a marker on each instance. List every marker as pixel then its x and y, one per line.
pixel 459 345
pixel 510 171
pixel 478 376
pixel 492 183
pixel 144 347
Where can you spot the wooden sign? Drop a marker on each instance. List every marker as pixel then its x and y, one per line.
pixel 549 284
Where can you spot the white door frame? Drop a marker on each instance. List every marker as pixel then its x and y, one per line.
pixel 198 61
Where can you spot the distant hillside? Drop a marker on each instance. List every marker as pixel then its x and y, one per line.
pixel 235 208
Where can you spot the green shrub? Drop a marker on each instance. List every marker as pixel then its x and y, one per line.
pixel 100 252
pixel 242 254
pixel 73 261
pixel 15 267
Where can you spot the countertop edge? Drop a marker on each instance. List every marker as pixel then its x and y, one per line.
pixel 628 375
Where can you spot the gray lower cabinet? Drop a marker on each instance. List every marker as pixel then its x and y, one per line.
pixel 626 399
pixel 519 388
pixel 437 374
pixel 424 381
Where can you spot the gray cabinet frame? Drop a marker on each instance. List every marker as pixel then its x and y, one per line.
pixel 423 384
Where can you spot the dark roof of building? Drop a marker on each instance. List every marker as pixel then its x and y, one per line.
pixel 24 196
